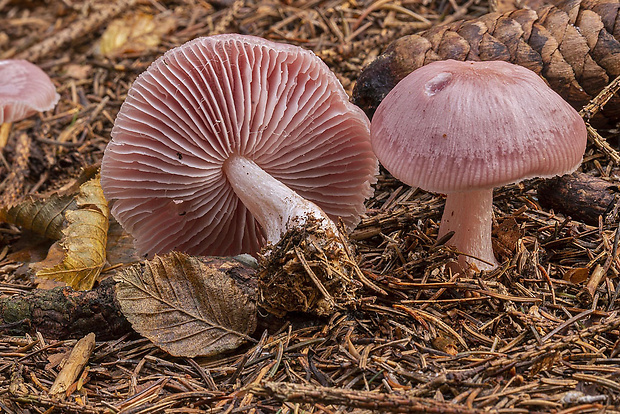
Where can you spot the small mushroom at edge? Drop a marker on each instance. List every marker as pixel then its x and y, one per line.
pixel 24 90
pixel 463 128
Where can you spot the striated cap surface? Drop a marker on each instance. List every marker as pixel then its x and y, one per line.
pixel 24 90
pixel 275 104
pixel 457 126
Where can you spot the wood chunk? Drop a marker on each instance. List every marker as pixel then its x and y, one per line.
pixel 65 313
pixel 74 364
pixel 581 196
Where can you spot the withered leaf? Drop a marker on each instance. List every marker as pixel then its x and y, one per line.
pixel 545 362
pixel 77 71
pixel 577 275
pixel 505 237
pixel 134 33
pixel 445 344
pixel 84 239
pixel 186 305
pixel 45 217
pixel 120 248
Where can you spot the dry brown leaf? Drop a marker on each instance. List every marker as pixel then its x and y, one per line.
pixel 577 275
pixel 545 362
pixel 76 71
pixel 56 359
pixel 186 305
pixel 505 237
pixel 30 249
pixel 84 239
pixel 120 248
pixel 445 344
pixel 42 216
pixel 54 257
pixel 133 34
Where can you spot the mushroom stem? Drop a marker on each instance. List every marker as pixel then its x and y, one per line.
pixel 274 205
pixel 470 215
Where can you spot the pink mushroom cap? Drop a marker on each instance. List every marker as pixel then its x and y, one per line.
pixel 24 90
pixel 216 97
pixel 457 126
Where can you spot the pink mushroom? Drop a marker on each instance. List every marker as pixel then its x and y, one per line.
pixel 227 140
pixel 462 128
pixel 24 90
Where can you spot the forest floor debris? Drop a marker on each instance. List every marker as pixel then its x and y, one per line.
pixel 524 338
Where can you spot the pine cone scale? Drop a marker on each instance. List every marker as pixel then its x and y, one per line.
pixel 573 44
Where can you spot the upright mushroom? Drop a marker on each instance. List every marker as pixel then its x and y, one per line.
pixel 227 139
pixel 24 90
pixel 462 128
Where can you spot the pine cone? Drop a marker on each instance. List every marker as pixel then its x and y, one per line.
pixel 572 44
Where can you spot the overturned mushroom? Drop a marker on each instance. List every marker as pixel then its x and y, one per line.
pixel 462 128
pixel 225 140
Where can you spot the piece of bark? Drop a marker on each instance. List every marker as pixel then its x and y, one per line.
pixel 393 402
pixel 63 313
pixel 77 360
pixel 581 196
pixel 573 45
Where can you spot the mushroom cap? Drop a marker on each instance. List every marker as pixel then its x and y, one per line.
pixel 24 90
pixel 275 104
pixel 457 126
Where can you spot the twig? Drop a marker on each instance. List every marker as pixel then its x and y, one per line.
pixel 228 17
pixel 565 324
pixel 75 31
pixel 586 294
pixel 382 402
pixel 602 144
pixel 596 104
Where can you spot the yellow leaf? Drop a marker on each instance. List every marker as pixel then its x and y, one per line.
pixel 134 33
pixel 84 239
